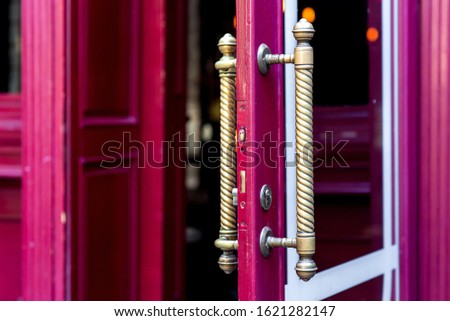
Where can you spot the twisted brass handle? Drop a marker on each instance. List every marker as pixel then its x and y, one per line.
pixel 303 61
pixel 227 240
pixel 305 239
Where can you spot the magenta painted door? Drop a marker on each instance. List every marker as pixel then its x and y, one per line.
pixel 356 182
pixel 10 197
pixel 259 105
pixel 119 209
pixel 10 152
pixel 103 107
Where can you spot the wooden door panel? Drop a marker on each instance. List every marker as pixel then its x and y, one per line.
pixel 104 97
pixel 10 126
pixel 43 149
pixel 10 244
pixel 82 79
pixel 108 57
pixel 10 238
pixel 126 222
pixel 10 152
pixel 108 233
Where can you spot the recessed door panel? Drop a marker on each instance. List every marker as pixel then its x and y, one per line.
pixel 119 212
pixel 108 246
pixel 108 58
pixel 10 150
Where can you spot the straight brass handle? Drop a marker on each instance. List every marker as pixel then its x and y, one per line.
pixel 303 61
pixel 227 240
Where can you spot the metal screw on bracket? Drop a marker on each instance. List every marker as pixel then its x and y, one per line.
pixel 265 197
pixel 235 196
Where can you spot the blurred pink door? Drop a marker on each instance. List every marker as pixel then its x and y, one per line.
pixel 95 223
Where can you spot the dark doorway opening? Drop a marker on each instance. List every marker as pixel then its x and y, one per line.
pixel 208 22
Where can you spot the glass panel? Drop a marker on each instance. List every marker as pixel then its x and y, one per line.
pixel 10 51
pixel 394 294
pixel 346 229
pixel 347 128
pixel 368 291
pixel 341 70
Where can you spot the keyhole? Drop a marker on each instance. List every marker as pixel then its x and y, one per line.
pixel 268 198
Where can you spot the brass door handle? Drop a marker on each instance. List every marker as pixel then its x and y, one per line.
pixel 304 242
pixel 227 240
pixel 302 58
pixel 304 62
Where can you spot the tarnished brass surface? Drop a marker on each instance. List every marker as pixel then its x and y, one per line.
pixel 227 240
pixel 281 242
pixel 267 241
pixel 279 59
pixel 305 240
pixel 226 245
pixel 303 61
pixel 226 64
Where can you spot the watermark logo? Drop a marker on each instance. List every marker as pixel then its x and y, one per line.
pixel 267 151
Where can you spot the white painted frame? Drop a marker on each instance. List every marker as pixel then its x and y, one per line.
pixel 382 262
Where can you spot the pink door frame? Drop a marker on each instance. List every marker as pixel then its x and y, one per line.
pixel 43 187
pixel 434 217
pixel 424 134
pixel 162 190
pixel 260 100
pixel 409 81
